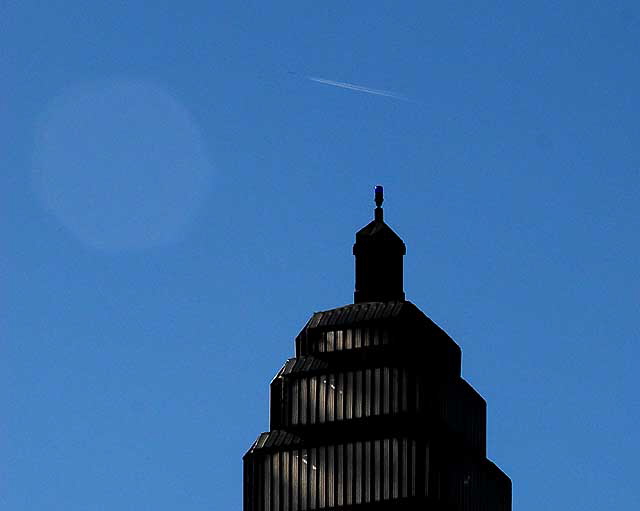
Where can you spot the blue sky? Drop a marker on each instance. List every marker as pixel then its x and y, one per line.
pixel 178 196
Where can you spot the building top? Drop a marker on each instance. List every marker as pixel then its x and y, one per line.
pixel 379 252
pixel 372 412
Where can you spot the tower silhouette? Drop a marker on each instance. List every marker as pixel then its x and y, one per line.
pixel 372 412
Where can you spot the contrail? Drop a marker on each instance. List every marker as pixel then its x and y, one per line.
pixel 359 88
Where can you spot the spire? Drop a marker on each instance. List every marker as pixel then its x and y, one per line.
pixel 379 198
pixel 379 256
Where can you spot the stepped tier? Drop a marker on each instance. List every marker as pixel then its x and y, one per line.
pixel 372 411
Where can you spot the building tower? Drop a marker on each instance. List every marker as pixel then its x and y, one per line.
pixel 372 413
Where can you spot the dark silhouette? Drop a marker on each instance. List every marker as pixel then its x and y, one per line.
pixel 372 412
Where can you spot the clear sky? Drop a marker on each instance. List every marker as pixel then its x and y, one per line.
pixel 180 187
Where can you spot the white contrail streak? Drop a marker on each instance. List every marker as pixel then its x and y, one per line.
pixel 359 88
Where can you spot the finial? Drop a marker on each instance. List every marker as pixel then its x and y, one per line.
pixel 379 198
pixel 379 195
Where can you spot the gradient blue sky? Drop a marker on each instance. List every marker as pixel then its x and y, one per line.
pixel 178 197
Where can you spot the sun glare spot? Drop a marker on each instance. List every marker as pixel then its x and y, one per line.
pixel 121 164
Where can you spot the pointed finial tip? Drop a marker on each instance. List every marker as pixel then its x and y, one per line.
pixel 379 198
pixel 379 195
